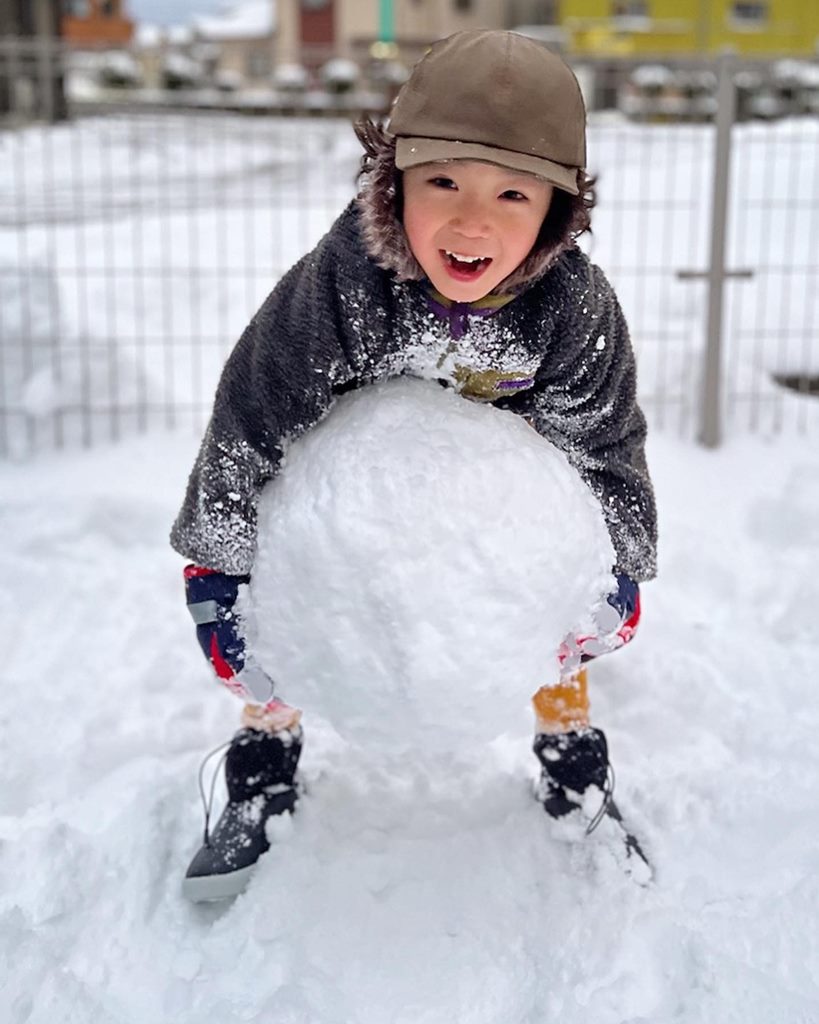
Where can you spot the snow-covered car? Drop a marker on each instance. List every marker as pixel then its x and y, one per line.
pixel 291 78
pixel 118 69
pixel 339 75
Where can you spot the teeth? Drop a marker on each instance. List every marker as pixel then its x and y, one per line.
pixel 464 259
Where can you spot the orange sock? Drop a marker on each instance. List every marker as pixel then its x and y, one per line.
pixel 275 716
pixel 564 706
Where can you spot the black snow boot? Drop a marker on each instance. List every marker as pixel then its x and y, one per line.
pixel 571 762
pixel 260 769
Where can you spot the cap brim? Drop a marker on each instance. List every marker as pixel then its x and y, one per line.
pixel 410 152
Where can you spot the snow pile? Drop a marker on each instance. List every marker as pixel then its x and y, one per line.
pixel 421 557
pixel 409 893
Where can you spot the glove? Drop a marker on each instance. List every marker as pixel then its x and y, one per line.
pixel 211 598
pixel 615 623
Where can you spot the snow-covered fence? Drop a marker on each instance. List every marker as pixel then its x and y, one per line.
pixel 667 190
pixel 32 78
pixel 134 247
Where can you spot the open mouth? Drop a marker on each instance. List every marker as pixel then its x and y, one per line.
pixel 463 266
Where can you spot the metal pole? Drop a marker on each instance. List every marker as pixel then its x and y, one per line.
pixel 45 75
pixel 711 418
pixel 386 22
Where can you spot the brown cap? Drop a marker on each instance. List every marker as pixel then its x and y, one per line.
pixel 494 96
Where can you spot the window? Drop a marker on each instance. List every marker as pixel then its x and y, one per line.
pixel 258 64
pixel 462 5
pixel 76 8
pixel 749 13
pixel 629 9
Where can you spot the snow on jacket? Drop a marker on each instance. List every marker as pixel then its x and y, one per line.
pixel 558 354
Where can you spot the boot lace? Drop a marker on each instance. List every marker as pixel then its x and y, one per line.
pixel 608 793
pixel 207 801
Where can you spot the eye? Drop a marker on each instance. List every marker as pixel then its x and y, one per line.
pixel 441 182
pixel 514 195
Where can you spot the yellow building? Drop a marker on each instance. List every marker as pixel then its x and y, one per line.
pixel 763 28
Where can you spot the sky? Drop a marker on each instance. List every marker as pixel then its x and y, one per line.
pixel 171 12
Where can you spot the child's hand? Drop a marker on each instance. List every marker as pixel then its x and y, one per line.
pixel 615 623
pixel 211 598
pixel 619 614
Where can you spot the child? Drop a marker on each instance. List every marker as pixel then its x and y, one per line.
pixel 457 260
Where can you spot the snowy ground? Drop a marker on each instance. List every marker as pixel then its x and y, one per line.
pixel 420 893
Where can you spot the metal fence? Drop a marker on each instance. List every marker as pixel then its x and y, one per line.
pixel 136 243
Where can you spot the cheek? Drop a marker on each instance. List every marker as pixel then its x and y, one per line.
pixel 416 228
pixel 526 235
pixel 523 239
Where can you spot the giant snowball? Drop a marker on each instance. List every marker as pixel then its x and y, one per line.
pixel 420 559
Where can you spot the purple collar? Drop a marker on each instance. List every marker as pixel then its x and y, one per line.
pixel 457 313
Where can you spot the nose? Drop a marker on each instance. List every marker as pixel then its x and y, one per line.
pixel 471 219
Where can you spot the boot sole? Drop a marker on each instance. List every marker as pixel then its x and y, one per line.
pixel 212 888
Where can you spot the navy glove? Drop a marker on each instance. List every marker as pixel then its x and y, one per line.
pixel 211 598
pixel 625 600
pixel 615 622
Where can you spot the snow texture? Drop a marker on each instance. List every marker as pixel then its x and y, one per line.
pixel 421 557
pixel 420 891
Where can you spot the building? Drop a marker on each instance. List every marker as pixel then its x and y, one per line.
pixel 238 46
pixel 679 28
pixel 93 24
pixel 312 31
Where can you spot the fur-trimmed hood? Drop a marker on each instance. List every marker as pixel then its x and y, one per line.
pixel 387 244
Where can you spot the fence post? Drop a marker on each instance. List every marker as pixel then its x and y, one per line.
pixel 43 58
pixel 710 410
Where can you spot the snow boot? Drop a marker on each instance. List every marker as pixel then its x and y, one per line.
pixel 260 769
pixel 571 762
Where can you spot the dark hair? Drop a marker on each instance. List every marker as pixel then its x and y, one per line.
pixel 568 217
pixel 375 139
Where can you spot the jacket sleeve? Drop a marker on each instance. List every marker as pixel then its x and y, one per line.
pixel 584 401
pixel 280 380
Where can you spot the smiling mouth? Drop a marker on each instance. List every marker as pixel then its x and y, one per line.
pixel 464 265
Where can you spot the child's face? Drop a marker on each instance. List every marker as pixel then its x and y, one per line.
pixel 467 208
